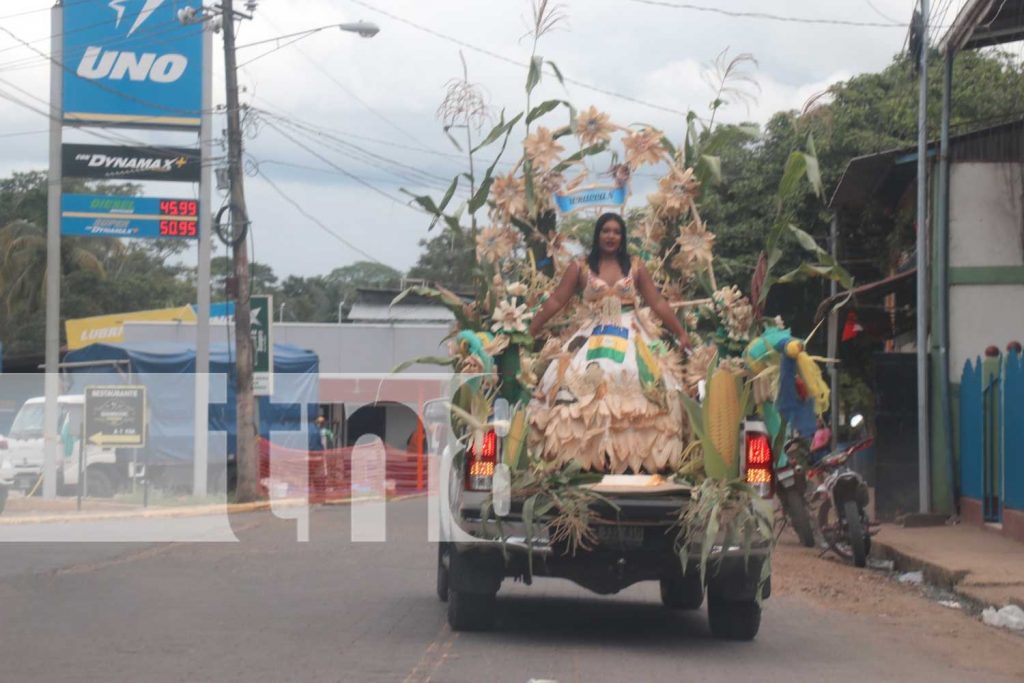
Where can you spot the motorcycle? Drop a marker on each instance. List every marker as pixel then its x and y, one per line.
pixel 842 499
pixel 791 489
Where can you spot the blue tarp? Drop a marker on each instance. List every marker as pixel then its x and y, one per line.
pixel 167 369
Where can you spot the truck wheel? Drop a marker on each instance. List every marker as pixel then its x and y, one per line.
pixel 470 611
pixel 682 592
pixel 3 498
pixel 796 509
pixel 734 620
pixel 442 572
pixel 98 484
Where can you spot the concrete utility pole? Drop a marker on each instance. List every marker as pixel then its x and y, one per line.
pixel 247 463
pixel 923 451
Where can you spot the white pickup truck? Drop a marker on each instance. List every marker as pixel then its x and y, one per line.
pixel 25 452
pixel 638 541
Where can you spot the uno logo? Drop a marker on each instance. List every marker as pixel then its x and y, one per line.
pixel 97 63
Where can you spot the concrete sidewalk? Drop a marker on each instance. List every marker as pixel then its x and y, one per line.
pixel 978 564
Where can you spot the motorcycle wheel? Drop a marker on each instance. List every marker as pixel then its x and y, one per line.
pixel 832 530
pixel 855 530
pixel 796 509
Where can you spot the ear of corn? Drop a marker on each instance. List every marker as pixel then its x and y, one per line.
pixel 515 442
pixel 722 417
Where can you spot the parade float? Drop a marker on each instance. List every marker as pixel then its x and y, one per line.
pixel 682 429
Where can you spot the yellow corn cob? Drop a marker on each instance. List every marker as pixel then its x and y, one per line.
pixel 722 419
pixel 516 439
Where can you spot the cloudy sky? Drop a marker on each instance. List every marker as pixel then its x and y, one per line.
pixel 362 112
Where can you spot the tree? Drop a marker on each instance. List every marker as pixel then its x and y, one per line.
pixel 345 280
pixel 448 259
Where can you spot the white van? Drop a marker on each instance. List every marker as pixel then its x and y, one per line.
pixel 25 450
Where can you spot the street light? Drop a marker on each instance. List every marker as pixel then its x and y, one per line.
pixel 365 29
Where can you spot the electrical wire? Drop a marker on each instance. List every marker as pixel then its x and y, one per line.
pixel 508 60
pixel 298 207
pixel 344 172
pixel 736 14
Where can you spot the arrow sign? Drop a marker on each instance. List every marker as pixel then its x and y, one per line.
pixel 115 415
pixel 117 440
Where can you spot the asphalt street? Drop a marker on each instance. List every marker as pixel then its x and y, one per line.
pixel 268 608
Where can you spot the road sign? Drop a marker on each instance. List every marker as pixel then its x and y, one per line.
pixel 90 215
pixel 116 416
pixel 262 344
pixel 131 63
pixel 105 162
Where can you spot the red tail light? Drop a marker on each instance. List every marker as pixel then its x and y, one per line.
pixel 480 465
pixel 759 461
pixel 3 444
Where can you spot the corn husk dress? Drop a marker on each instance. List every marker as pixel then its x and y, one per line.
pixel 610 399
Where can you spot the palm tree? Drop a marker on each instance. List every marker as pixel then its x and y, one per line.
pixel 23 263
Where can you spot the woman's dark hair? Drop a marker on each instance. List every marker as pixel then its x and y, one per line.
pixel 595 248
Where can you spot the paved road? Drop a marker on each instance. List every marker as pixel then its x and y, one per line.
pixel 270 609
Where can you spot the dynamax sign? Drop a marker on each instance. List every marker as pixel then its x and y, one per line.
pixel 131 163
pixel 131 62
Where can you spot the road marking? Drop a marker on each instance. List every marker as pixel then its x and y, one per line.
pixel 433 657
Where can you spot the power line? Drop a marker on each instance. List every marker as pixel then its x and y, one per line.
pixel 347 174
pixel 298 207
pixel 347 149
pixel 508 60
pixel 319 67
pixel 772 17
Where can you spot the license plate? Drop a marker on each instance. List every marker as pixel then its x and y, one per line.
pixel 623 536
pixel 785 477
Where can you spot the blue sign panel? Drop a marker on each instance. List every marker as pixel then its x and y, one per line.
pixel 93 215
pixel 131 62
pixel 590 197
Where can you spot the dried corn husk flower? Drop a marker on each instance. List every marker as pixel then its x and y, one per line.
pixel 695 245
pixel 594 127
pixel 651 232
pixel 510 318
pixel 620 173
pixel 517 289
pixel 552 182
pixel 542 148
pixel 735 311
pixel 697 366
pixel 644 147
pixel 675 192
pixel 494 243
pixel 509 196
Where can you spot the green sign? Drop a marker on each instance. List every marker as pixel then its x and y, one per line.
pixel 262 344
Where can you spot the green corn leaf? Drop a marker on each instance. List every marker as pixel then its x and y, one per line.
pixel 558 73
pixel 578 156
pixel 426 360
pixel 447 132
pixel 533 77
pixel 502 128
pixel 543 108
pixel 795 170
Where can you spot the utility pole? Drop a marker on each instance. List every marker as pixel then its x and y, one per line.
pixel 923 451
pixel 247 463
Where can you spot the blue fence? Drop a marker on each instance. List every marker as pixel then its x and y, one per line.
pixel 992 434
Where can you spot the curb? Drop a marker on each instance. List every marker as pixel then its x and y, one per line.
pixel 184 512
pixel 934 574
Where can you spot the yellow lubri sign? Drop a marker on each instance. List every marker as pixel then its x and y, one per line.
pixel 110 328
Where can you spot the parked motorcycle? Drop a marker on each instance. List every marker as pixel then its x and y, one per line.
pixel 791 490
pixel 842 499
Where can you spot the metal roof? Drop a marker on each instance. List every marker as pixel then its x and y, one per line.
pixel 885 175
pixel 981 23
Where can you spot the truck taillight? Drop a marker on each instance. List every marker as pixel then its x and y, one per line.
pixel 3 444
pixel 758 470
pixel 480 463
